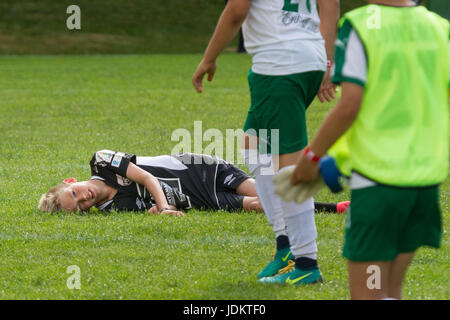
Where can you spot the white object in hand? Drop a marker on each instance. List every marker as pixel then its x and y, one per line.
pixel 298 193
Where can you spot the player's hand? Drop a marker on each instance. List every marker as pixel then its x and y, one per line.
pixel 171 210
pixel 172 213
pixel 205 67
pixel 298 193
pixel 327 88
pixel 306 171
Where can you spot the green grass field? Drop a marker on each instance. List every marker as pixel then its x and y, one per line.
pixel 57 111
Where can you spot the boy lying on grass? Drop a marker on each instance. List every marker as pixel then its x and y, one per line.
pixel 164 184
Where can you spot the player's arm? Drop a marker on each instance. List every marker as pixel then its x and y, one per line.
pixel 329 13
pixel 146 179
pixel 351 73
pixel 227 27
pixel 335 125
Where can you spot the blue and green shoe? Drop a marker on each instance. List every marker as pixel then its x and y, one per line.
pixel 293 275
pixel 279 261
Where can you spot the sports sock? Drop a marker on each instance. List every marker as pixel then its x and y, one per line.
pixel 305 263
pixel 302 233
pixel 324 206
pixel 301 228
pixel 261 167
pixel 282 242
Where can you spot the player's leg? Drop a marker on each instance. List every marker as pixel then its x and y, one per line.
pixel 300 224
pixel 296 94
pixel 261 168
pixel 251 201
pixel 368 280
pixel 258 158
pixel 235 189
pixel 397 273
pixel 369 244
pixel 423 226
pixel 302 233
pixel 265 94
pixel 231 178
pixel 378 280
pixel 381 226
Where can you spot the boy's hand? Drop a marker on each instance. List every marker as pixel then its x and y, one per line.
pixel 171 210
pixel 327 88
pixel 172 213
pixel 205 67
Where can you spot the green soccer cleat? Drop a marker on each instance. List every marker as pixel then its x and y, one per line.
pixel 279 261
pixel 293 275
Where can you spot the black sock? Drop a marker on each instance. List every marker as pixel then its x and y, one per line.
pixel 305 263
pixel 325 207
pixel 282 242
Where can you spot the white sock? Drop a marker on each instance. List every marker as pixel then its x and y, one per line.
pixel 261 167
pixel 301 228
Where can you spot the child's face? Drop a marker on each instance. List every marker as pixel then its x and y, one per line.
pixel 79 196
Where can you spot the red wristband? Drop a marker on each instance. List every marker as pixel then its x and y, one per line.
pixel 311 155
pixel 329 63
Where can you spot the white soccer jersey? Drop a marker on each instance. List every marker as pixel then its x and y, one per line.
pixel 283 37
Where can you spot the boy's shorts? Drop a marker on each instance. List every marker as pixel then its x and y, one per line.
pixel 229 178
pixel 383 222
pixel 280 102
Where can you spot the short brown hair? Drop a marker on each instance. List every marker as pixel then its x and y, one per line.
pixel 50 201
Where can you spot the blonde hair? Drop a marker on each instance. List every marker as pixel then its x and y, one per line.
pixel 50 201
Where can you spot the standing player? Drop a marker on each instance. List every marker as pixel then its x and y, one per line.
pixel 290 59
pixel 393 114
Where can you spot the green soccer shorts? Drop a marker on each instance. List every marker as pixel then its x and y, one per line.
pixel 383 222
pixel 280 103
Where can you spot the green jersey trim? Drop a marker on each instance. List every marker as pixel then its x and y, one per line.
pixel 340 79
pixel 350 57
